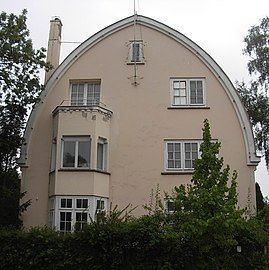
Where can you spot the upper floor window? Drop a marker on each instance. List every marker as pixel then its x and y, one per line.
pixel 187 92
pixel 180 155
pixel 76 152
pixel 136 53
pixel 101 154
pixel 85 94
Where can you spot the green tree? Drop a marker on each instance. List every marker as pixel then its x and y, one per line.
pixel 207 215
pixel 19 89
pixel 259 198
pixel 255 95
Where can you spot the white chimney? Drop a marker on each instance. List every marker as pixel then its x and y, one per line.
pixel 54 45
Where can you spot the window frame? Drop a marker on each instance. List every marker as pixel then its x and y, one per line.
pixel 140 59
pixel 188 92
pixel 103 142
pixel 96 101
pixel 75 139
pixel 56 210
pixel 183 167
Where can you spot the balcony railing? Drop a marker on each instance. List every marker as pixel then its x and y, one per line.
pixel 82 102
pixel 81 105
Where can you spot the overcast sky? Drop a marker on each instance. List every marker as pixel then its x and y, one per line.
pixel 218 26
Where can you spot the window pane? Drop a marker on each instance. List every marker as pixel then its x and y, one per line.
pixel 170 147
pixel 177 164
pixel 187 155
pixel 183 101
pixel 93 94
pixel 176 84
pixel 135 52
pixel 100 156
pixel 183 84
pixel 176 93
pixel 170 206
pixel 177 155
pixel 63 203
pixel 69 203
pixel 100 205
pixel 188 164
pixel 79 203
pixel 187 146
pixel 77 94
pixel 176 100
pixel 171 164
pixel 85 203
pixel 83 154
pixel 177 147
pixel 194 146
pixel 69 154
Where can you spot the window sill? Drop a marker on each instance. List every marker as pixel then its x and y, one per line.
pixel 187 107
pixel 177 172
pixel 82 170
pixel 136 63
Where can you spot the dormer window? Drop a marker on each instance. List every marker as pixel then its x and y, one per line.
pixel 85 94
pixel 136 54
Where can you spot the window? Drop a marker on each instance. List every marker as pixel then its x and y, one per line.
pixel 169 205
pixel 100 205
pixel 65 221
pixel 136 54
pixel 101 154
pixel 180 155
pixel 81 220
pixel 187 92
pixel 85 94
pixel 76 152
pixel 82 203
pixel 70 212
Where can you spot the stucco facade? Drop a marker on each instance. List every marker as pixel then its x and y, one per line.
pixel 133 132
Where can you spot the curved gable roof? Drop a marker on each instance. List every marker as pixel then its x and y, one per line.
pixel 252 159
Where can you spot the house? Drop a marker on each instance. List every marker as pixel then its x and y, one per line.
pixel 122 114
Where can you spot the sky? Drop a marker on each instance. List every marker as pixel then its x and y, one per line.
pixel 218 26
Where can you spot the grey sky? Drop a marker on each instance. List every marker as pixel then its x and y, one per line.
pixel 218 26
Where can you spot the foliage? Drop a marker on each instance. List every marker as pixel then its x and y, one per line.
pixel 19 90
pixel 255 95
pixel 259 198
pixel 257 48
pixel 257 106
pixel 202 233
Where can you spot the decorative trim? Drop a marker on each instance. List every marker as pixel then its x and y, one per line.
pixel 251 156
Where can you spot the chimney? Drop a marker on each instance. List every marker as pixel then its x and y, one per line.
pixel 54 44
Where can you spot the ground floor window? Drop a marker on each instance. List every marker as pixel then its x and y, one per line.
pixel 68 213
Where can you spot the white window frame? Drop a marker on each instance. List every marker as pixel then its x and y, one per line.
pixel 75 139
pixel 55 209
pixel 188 101
pixel 95 101
pixel 141 59
pixel 104 142
pixel 182 154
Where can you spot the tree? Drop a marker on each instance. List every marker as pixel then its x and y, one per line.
pixel 207 218
pixel 259 198
pixel 255 95
pixel 19 89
